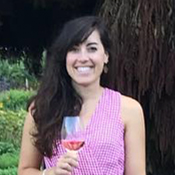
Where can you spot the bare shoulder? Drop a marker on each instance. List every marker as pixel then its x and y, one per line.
pixel 133 119
pixel 130 103
pixel 131 110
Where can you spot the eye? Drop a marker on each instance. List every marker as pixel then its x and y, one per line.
pixel 74 49
pixel 92 49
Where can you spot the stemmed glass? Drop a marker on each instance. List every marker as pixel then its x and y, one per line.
pixel 71 133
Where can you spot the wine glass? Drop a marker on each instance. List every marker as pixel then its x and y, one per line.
pixel 71 133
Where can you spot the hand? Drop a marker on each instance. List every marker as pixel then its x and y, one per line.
pixel 66 163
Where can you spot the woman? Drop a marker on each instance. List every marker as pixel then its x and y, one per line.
pixel 78 72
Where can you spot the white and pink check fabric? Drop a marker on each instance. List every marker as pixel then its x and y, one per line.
pixel 103 152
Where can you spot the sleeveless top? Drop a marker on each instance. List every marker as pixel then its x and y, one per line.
pixel 103 151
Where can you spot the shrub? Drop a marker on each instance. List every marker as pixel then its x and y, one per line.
pixel 4 84
pixel 6 147
pixel 8 160
pixel 11 124
pixel 14 99
pixel 16 74
pixel 9 171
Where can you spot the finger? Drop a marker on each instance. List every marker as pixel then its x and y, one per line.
pixel 72 159
pixel 65 166
pixel 72 162
pixel 59 171
pixel 64 161
pixel 72 154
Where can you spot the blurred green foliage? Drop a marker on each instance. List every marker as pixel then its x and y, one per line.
pixel 12 114
pixel 17 75
pixel 14 99
pixel 11 124
pixel 6 147
pixel 8 171
pixel 9 160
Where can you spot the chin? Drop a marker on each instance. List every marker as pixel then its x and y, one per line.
pixel 83 83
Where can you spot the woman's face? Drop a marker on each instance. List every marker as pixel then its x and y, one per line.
pixel 84 62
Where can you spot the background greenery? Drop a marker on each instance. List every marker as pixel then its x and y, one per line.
pixel 13 104
pixel 15 100
pixel 16 75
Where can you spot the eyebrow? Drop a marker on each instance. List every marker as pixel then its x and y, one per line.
pixel 92 43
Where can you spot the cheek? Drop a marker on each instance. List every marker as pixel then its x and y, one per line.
pixel 69 60
pixel 68 63
pixel 101 59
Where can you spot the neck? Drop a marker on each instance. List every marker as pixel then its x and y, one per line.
pixel 89 92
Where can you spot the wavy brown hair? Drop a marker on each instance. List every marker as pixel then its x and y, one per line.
pixel 56 97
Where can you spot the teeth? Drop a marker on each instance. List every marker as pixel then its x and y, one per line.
pixel 83 69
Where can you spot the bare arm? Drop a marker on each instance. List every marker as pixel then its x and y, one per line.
pixel 30 158
pixel 133 119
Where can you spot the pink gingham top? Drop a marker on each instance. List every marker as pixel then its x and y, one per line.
pixel 103 152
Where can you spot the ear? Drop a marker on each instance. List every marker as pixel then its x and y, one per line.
pixel 106 58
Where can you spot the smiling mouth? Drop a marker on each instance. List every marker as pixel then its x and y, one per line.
pixel 84 69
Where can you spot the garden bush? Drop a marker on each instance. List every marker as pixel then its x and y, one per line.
pixel 16 74
pixel 14 99
pixel 9 160
pixel 6 147
pixel 8 171
pixel 11 124
pixel 12 114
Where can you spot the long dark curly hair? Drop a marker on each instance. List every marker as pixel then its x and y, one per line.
pixel 56 97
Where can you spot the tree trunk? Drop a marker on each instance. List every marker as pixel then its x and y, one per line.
pixel 144 40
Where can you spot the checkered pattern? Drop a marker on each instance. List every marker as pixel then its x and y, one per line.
pixel 103 152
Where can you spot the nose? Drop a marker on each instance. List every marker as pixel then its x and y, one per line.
pixel 83 56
